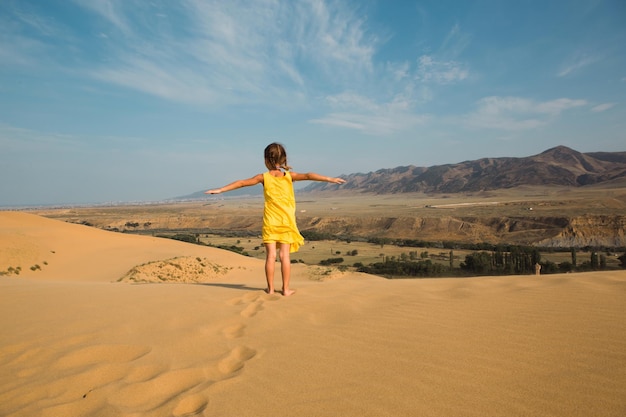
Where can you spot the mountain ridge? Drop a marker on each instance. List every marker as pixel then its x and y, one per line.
pixel 558 166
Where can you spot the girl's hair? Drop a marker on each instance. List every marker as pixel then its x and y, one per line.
pixel 276 157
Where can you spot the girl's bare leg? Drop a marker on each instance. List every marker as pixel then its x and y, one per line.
pixel 270 262
pixel 285 267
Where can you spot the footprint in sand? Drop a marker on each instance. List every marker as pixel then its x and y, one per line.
pixel 252 309
pixel 271 297
pixel 235 359
pixel 190 406
pixel 247 298
pixel 235 331
pixel 255 300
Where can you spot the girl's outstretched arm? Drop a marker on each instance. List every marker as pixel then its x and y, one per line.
pixel 257 179
pixel 312 176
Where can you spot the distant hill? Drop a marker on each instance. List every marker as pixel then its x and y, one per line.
pixel 559 166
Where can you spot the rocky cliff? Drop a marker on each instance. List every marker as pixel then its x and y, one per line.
pixel 553 231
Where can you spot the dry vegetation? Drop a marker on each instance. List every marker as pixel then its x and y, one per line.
pixel 518 202
pixel 314 252
pixel 524 215
pixel 181 269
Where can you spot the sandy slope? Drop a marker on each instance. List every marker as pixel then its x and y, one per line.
pixel 76 343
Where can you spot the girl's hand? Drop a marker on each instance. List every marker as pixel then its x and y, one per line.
pixel 338 181
pixel 215 191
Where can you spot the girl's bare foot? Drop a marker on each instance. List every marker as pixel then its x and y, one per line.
pixel 267 290
pixel 287 293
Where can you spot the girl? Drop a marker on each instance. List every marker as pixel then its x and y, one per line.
pixel 279 213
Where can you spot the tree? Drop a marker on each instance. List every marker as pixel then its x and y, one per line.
pixel 478 263
pixel 535 256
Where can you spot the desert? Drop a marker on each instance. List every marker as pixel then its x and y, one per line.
pixel 81 340
pixel 451 178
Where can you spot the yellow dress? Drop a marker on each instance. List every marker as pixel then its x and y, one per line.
pixel 279 213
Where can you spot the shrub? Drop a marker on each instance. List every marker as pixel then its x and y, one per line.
pixel 312 235
pixel 331 261
pixel 566 267
pixel 182 237
pixel 404 269
pixel 549 267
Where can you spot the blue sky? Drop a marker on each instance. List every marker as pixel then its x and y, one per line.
pixel 129 100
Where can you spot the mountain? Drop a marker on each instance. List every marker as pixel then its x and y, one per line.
pixel 559 166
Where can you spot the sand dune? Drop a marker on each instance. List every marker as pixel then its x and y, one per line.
pixel 75 342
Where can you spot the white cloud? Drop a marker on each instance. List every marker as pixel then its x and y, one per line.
pixel 110 10
pixel 164 80
pixel 20 51
pixel 399 71
pixel 455 42
pixel 26 38
pixel 29 141
pixel 25 140
pixel 602 107
pixel 356 112
pixel 373 124
pixel 349 100
pixel 557 106
pixel 41 24
pixel 211 52
pixel 517 113
pixel 334 33
pixel 234 51
pixel 577 63
pixel 440 72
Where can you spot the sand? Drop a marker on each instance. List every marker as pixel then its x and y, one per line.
pixel 76 342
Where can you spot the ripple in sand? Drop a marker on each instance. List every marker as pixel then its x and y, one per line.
pixel 157 391
pixel 144 373
pixel 99 354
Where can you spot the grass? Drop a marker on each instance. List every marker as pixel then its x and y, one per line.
pixel 314 252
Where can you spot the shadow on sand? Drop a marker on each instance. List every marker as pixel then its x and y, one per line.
pixel 231 286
